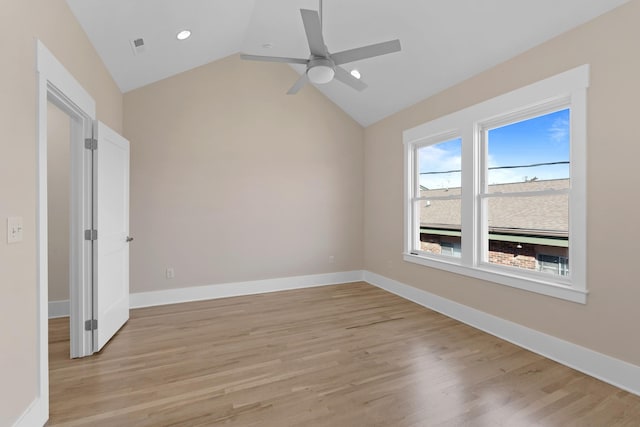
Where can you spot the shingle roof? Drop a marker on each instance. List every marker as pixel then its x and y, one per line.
pixel 545 215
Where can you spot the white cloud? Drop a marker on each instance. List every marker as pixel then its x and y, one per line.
pixel 436 159
pixel 559 130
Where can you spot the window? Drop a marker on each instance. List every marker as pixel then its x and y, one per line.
pixel 436 199
pixel 553 264
pixel 525 185
pixel 497 190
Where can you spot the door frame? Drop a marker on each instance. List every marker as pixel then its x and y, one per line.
pixel 56 84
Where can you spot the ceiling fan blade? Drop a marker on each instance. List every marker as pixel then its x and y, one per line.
pixel 312 27
pixel 366 52
pixel 298 85
pixel 274 59
pixel 345 77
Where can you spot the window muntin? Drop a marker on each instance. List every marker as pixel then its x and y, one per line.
pixel 564 94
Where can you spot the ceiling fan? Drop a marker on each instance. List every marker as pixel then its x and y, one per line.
pixel 323 66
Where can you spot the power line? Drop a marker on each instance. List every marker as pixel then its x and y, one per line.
pixel 533 165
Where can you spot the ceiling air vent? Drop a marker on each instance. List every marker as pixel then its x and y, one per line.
pixel 137 45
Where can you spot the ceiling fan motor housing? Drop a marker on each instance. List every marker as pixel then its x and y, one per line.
pixel 320 70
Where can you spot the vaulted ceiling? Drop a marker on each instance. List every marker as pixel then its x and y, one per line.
pixel 443 42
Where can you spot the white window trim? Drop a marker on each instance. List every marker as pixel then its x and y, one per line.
pixel 568 88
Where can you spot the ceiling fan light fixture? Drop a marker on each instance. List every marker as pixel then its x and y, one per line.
pixel 323 66
pixel 320 74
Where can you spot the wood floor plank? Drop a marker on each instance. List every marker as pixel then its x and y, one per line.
pixel 344 355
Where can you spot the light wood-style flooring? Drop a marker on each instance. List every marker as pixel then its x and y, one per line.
pixel 345 355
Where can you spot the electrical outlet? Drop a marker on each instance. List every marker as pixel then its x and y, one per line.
pixel 170 273
pixel 14 229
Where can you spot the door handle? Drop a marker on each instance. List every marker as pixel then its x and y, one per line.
pixel 129 239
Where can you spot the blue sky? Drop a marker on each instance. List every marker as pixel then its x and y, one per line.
pixel 444 156
pixel 541 139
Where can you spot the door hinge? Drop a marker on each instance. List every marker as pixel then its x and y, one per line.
pixel 91 144
pixel 90 234
pixel 91 325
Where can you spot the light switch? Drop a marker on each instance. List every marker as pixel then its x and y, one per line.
pixel 14 229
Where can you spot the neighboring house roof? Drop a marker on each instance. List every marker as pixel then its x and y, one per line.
pixel 539 215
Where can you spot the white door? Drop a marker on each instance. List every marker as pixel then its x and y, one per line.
pixel 111 220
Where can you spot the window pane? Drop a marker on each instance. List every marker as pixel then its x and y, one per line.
pixel 529 155
pixel 521 228
pixel 439 225
pixel 439 165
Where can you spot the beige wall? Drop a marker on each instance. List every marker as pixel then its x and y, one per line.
pixel 21 22
pixel 58 193
pixel 608 323
pixel 233 180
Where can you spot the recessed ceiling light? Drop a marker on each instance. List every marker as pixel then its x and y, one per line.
pixel 355 73
pixel 267 45
pixel 183 35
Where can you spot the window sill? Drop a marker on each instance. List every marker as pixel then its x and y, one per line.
pixel 540 286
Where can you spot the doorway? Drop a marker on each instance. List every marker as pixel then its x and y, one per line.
pixel 98 194
pixel 59 212
pixel 88 277
pixel 68 166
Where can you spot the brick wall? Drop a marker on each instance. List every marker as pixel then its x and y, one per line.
pixel 430 243
pixel 508 253
pixel 431 247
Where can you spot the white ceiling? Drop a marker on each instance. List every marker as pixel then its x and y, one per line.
pixel 443 41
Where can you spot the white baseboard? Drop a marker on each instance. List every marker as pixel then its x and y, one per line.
pixel 58 309
pixel 198 293
pixel 606 368
pixel 35 415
